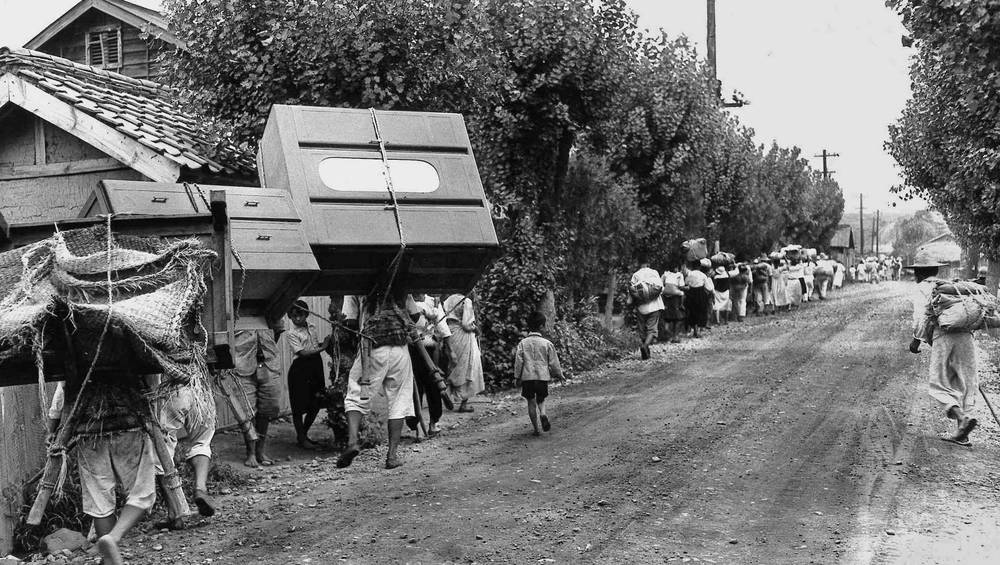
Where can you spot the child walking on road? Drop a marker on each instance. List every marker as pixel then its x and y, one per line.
pixel 535 363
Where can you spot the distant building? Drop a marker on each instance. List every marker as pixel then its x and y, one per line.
pixel 114 35
pixel 944 249
pixel 842 245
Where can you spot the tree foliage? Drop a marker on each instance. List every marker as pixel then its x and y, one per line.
pixel 915 230
pixel 597 143
pixel 947 141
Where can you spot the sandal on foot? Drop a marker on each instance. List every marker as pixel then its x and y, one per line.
pixel 347 457
pixel 546 426
pixel 466 409
pixel 393 463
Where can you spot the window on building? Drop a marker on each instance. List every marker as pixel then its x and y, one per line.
pixel 104 48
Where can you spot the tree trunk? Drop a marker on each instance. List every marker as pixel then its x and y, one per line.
pixel 609 305
pixel 550 210
pixel 548 307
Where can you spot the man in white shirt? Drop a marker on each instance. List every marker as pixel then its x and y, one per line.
pixel 646 288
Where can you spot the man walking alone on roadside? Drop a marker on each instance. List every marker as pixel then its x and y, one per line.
pixel 646 288
pixel 953 354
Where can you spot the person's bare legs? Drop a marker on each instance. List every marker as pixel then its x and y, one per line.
pixel 353 428
pixel 107 544
pixel 251 460
pixel 543 416
pixel 533 414
pixel 201 464
pixel 262 423
pixel 395 433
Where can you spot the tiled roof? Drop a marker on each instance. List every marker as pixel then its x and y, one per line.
pixel 148 112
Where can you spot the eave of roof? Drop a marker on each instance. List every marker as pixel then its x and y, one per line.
pixel 149 21
pixel 147 113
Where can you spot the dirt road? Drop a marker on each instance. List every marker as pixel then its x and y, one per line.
pixel 802 438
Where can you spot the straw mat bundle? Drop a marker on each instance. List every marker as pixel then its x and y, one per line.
pixel 156 293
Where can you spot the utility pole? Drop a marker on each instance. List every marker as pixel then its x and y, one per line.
pixel 738 101
pixel 862 223
pixel 878 229
pixel 827 155
pixel 874 233
pixel 710 41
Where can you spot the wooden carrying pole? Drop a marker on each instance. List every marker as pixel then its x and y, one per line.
pixel 229 389
pixel 176 503
pixel 67 425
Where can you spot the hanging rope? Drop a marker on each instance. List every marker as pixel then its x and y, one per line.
pixel 58 449
pixel 387 172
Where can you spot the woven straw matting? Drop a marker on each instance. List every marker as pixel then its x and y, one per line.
pixel 157 288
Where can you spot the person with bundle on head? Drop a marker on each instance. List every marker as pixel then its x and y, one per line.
pixel 535 364
pixel 739 286
pixel 673 303
pixel 697 297
pixel 645 291
pixel 761 278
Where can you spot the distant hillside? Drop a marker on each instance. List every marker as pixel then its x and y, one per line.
pixel 888 222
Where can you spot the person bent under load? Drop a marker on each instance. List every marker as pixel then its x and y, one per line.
pixel 384 361
pixel 112 449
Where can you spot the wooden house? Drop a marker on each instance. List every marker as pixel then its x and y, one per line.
pixel 842 245
pixel 66 127
pixel 943 249
pixel 115 35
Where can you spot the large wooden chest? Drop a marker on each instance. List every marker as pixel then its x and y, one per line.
pixel 330 161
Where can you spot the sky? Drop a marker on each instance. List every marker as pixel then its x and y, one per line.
pixel 819 74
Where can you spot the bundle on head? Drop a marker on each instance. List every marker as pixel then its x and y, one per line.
pixel 695 249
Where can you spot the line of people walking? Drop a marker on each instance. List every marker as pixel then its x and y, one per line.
pixel 701 292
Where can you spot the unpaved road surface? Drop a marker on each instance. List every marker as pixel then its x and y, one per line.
pixel 801 438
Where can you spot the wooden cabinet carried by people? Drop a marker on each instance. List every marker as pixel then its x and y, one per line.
pixel 336 164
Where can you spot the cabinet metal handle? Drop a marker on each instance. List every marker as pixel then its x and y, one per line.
pixel 263 237
pixel 251 203
pixel 159 199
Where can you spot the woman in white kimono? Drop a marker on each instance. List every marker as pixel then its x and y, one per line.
pixel 796 284
pixel 779 284
pixel 465 368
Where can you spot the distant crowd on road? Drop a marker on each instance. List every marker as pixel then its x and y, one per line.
pixel 701 291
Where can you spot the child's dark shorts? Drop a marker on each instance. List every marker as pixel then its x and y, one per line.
pixel 538 390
